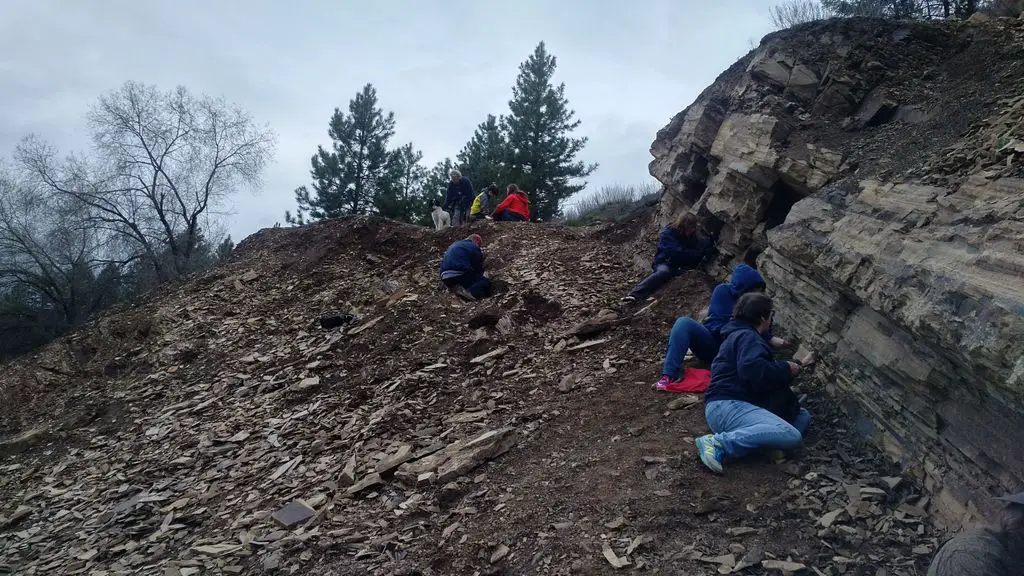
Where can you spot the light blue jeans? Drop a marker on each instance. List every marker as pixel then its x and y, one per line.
pixel 740 427
pixel 688 334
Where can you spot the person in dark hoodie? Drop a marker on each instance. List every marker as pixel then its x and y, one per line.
pixel 704 338
pixel 459 198
pixel 990 551
pixel 745 376
pixel 680 248
pixel 462 269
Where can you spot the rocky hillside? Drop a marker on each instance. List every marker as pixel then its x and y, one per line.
pixel 879 167
pixel 219 429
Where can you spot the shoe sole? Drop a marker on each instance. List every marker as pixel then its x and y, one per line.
pixel 711 465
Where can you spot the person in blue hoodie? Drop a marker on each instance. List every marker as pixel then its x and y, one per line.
pixel 680 248
pixel 462 269
pixel 745 379
pixel 458 199
pixel 705 337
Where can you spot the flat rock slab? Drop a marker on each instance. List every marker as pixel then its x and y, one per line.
pixel 21 442
pixel 293 514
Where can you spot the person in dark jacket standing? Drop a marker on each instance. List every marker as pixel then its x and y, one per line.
pixel 514 208
pixel 989 551
pixel 704 338
pixel 462 269
pixel 680 248
pixel 744 378
pixel 458 198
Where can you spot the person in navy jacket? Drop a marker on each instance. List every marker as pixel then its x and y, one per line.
pixel 680 248
pixel 745 376
pixel 459 198
pixel 704 338
pixel 462 269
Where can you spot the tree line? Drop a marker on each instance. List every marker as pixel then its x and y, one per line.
pixel 85 231
pixel 795 12
pixel 532 146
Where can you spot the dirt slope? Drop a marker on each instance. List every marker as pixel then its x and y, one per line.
pixel 160 440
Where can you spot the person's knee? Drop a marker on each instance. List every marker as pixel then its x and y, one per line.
pixel 789 436
pixel 683 324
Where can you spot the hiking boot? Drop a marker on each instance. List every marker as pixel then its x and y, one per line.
pixel 628 299
pixel 710 452
pixel 461 292
pixel 663 384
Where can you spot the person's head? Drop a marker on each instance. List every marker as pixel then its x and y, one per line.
pixel 456 175
pixel 1011 521
pixel 686 224
pixel 476 239
pixel 754 308
pixel 513 189
pixel 492 190
pixel 746 279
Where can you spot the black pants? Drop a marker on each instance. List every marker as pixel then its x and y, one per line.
pixel 478 285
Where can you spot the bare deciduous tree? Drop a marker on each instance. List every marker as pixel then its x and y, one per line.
pixel 793 12
pixel 161 164
pixel 46 249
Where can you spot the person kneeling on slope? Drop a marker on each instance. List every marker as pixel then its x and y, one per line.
pixel 704 338
pixel 750 389
pixel 680 248
pixel 462 269
pixel 482 203
pixel 515 207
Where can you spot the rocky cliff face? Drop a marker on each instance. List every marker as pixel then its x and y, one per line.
pixel 877 167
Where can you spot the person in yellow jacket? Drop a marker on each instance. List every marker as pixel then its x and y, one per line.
pixel 482 203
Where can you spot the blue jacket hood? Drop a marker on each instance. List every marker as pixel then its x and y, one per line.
pixel 744 278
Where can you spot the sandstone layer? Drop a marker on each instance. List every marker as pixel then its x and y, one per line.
pixel 875 169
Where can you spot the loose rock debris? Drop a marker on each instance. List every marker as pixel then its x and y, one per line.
pixel 233 438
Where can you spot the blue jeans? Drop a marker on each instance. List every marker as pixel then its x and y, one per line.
pixel 477 285
pixel 688 334
pixel 741 427
pixel 662 274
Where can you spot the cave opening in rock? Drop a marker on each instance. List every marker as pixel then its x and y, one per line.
pixel 784 197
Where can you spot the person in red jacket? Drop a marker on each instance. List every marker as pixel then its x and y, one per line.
pixel 515 207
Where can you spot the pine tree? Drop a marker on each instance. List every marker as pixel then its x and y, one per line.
pixel 538 129
pixel 347 179
pixel 485 158
pixel 401 196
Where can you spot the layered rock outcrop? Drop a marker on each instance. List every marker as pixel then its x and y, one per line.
pixel 877 168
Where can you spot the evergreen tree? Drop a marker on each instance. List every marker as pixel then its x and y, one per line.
pixel 347 179
pixel 485 158
pixel 538 130
pixel 401 198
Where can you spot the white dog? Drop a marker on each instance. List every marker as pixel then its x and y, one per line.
pixel 441 218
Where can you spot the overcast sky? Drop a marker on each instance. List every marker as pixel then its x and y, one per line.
pixel 440 65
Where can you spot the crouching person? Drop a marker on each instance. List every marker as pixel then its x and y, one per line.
pixel 680 248
pixel 991 551
pixel 747 383
pixel 704 338
pixel 462 269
